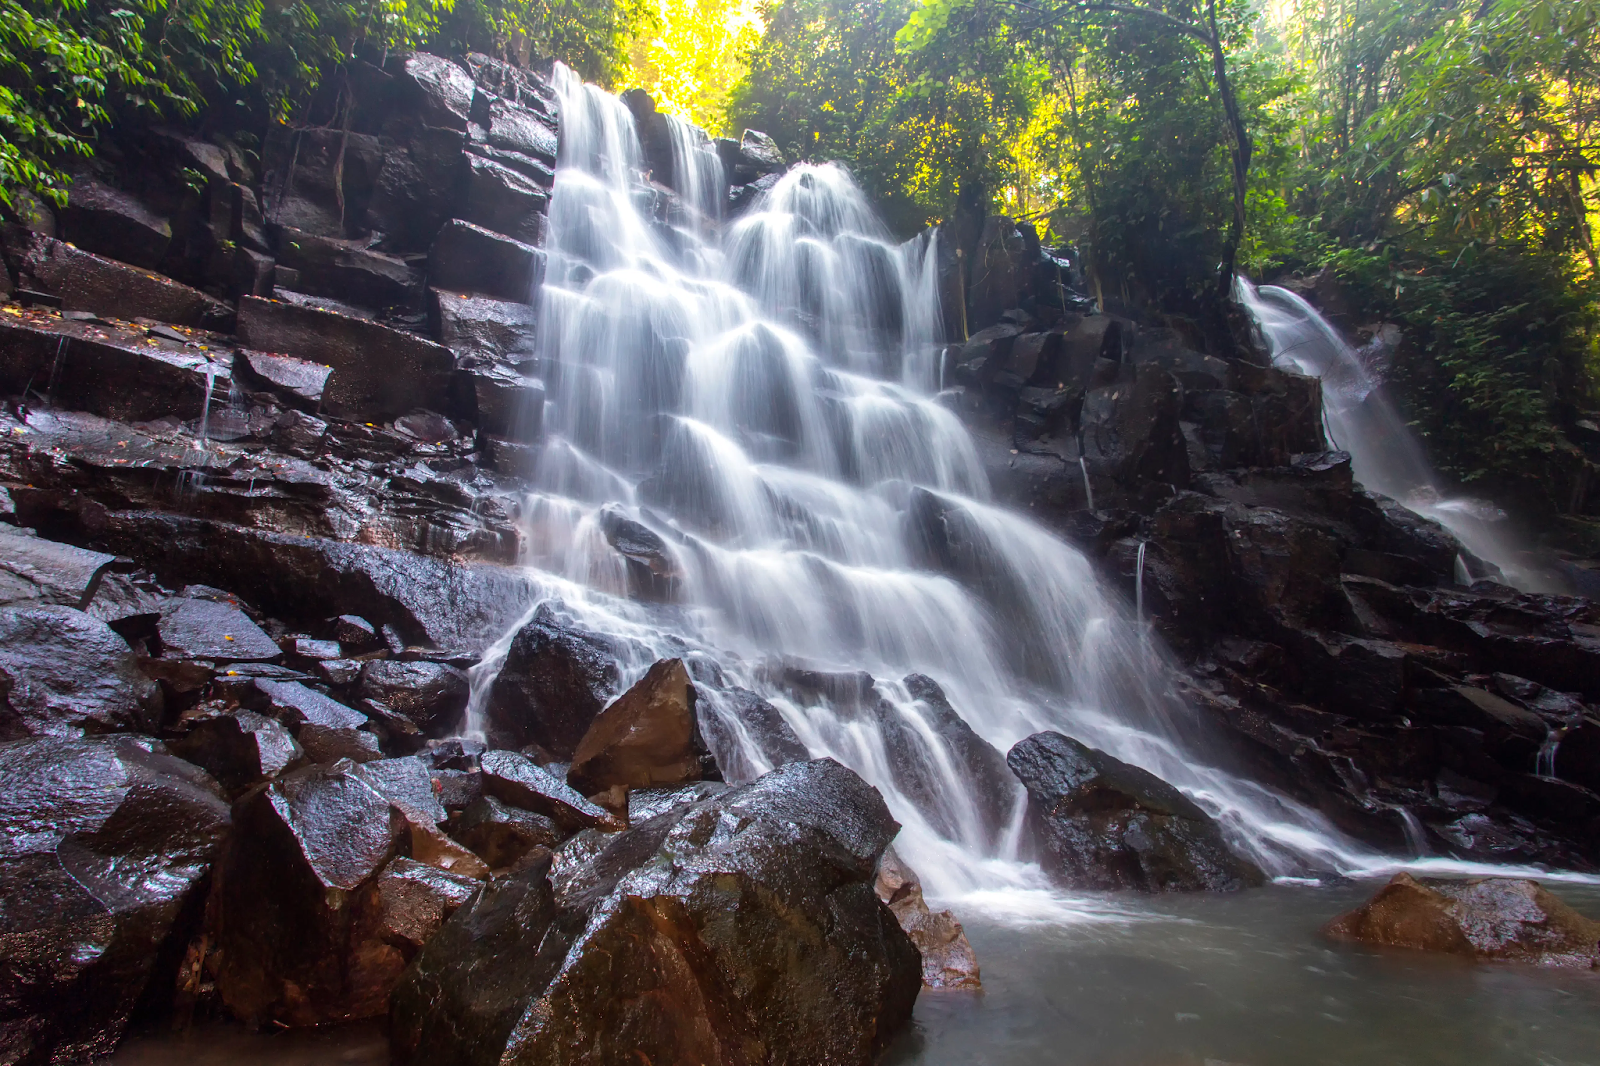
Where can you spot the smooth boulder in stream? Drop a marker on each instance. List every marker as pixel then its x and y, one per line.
pixel 738 929
pixel 1101 823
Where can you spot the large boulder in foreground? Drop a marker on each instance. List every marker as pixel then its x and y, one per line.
pixel 1103 824
pixel 334 878
pixel 102 842
pixel 1483 918
pixel 738 929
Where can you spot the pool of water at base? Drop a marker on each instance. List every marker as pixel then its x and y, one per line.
pixel 1223 980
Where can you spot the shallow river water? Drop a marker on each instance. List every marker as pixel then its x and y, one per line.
pixel 1214 980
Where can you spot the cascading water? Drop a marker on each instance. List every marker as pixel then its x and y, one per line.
pixel 1385 455
pixel 762 394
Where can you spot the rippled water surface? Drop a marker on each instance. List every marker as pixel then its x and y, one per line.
pixel 1237 980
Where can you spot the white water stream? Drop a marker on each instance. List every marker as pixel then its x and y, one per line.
pixel 1385 455
pixel 761 394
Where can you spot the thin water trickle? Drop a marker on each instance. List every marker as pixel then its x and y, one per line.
pixel 1545 763
pixel 1385 455
pixel 763 396
pixel 205 408
pixel 1088 489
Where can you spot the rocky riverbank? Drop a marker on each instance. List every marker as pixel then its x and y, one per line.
pixel 270 424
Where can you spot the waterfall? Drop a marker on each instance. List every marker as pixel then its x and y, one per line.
pixel 763 395
pixel 1385 455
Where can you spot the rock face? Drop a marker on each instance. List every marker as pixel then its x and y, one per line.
pixel 102 842
pixel 947 957
pixel 1487 919
pixel 647 738
pixel 742 928
pixel 65 673
pixel 1100 823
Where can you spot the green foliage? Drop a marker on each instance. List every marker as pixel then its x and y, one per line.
pixel 594 37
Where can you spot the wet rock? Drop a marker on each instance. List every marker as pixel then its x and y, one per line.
pixel 947 957
pixel 681 941
pixel 378 373
pixel 65 673
pixel 348 270
pixel 505 201
pixel 290 701
pixel 516 779
pixel 653 571
pixel 325 745
pixel 406 904
pixel 319 180
pixel 476 327
pixel 113 223
pixel 1486 919
pixel 555 681
pixel 513 127
pixel 502 835
pixel 647 738
pixel 733 718
pixel 470 259
pixel 418 186
pixel 439 90
pixel 354 632
pixel 1103 824
pixel 239 748
pixel 112 371
pixel 87 282
pixel 101 843
pixel 304 850
pixel 983 768
pixel 431 695
pixel 35 571
pixel 318 650
pixel 218 632
pixel 430 602
pixel 409 784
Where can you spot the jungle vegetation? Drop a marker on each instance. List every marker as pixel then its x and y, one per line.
pixel 1438 158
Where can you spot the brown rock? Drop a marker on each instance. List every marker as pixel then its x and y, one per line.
pixel 948 960
pixel 1487 919
pixel 646 738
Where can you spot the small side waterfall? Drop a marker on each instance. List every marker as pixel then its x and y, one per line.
pixel 763 396
pixel 1385 454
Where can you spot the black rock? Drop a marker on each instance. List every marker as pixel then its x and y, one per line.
pixel 113 223
pixel 555 680
pixel 1103 824
pixel 741 928
pixel 65 673
pixel 431 695
pixel 239 748
pixel 101 843
pixel 516 779
pixel 205 629
pixel 470 259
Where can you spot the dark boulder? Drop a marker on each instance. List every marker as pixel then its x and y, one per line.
pixel 555 680
pixel 1101 823
pixel 348 270
pixel 218 632
pixel 299 383
pixel 379 373
pixel 239 748
pixel 513 778
pixel 653 570
pixel 418 186
pixel 1486 919
pixel 509 125
pixel 483 330
pixel 113 223
pixel 35 571
pixel 86 282
pixel 470 259
pixel 65 673
pixel 503 835
pixel 742 928
pixel 437 89
pixel 505 201
pixel 431 695
pixel 648 738
pixel 304 850
pixel 101 844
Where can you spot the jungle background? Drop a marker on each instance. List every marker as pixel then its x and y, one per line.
pixel 1433 164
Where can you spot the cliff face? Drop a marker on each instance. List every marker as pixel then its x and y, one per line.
pixel 1330 649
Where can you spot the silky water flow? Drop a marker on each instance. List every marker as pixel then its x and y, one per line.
pixel 1385 455
pixel 762 394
